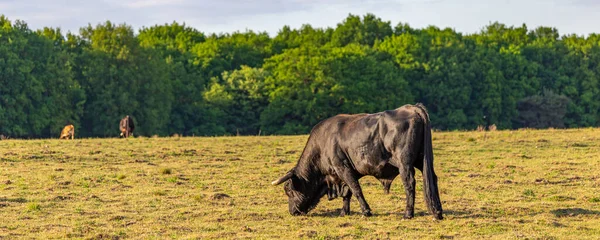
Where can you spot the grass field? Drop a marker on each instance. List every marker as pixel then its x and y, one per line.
pixel 527 184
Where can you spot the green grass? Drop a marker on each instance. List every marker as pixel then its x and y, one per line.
pixel 527 184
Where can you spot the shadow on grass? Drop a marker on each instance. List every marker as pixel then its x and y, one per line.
pixel 462 214
pixel 571 212
pixel 336 213
pixel 16 200
pixel 400 214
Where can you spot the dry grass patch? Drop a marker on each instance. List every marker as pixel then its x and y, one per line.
pixel 530 184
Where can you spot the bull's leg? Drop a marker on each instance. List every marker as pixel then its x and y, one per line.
pixel 407 174
pixel 346 175
pixel 346 207
pixel 404 158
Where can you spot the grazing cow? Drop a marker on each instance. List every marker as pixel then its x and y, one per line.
pixel 126 126
pixel 68 131
pixel 342 149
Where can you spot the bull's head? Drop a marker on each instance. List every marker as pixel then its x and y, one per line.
pixel 303 195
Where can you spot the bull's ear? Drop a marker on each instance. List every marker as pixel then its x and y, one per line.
pixel 287 176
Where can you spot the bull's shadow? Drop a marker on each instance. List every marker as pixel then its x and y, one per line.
pixel 460 214
pixel 561 212
pixel 572 212
pixel 337 212
pixel 453 213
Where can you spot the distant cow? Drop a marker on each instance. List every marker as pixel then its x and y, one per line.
pixel 126 126
pixel 68 131
pixel 342 149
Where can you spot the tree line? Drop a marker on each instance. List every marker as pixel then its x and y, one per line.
pixel 174 79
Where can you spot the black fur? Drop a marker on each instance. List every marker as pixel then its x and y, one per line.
pixel 342 149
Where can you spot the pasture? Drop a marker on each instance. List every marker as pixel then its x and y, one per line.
pixel 525 184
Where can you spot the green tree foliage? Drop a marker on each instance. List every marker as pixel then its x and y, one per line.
pixel 36 85
pixel 189 113
pixel 363 31
pixel 240 97
pixel 307 35
pixel 309 84
pixel 228 52
pixel 174 79
pixel 122 78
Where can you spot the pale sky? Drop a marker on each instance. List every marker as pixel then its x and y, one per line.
pixel 467 16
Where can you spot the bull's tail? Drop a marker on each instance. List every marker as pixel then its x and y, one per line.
pixel 432 196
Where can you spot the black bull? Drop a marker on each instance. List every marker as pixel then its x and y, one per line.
pixel 342 149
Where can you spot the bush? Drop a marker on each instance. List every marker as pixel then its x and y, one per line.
pixel 542 111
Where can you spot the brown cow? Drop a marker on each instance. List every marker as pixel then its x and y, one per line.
pixel 68 131
pixel 126 126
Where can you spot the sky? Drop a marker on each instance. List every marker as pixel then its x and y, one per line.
pixel 225 16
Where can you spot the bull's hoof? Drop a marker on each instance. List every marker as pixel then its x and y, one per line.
pixel 408 216
pixel 344 213
pixel 437 215
pixel 298 213
pixel 367 213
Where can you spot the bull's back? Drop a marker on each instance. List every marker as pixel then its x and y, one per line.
pixel 368 139
pixel 328 136
pixel 397 124
pixel 351 139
